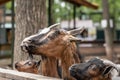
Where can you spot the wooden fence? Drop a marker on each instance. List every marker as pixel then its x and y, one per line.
pixel 96 48
pixel 6 74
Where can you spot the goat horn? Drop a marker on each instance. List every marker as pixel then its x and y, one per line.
pixel 54 25
pixel 76 31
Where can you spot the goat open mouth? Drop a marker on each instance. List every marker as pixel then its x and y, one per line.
pixel 24 48
pixel 28 49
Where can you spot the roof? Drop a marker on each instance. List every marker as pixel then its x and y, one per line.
pixel 83 3
pixel 3 1
pixel 76 2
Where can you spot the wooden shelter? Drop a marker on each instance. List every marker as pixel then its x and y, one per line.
pixel 80 3
pixel 3 1
pixel 75 3
pixel 83 3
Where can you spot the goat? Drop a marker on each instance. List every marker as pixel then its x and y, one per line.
pixel 29 66
pixel 57 43
pixel 94 69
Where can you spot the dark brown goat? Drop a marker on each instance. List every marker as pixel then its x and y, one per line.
pixel 94 69
pixel 56 43
pixel 28 66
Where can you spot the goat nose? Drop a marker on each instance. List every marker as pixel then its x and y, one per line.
pixel 16 65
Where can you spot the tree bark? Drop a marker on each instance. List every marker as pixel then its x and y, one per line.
pixel 30 17
pixel 108 31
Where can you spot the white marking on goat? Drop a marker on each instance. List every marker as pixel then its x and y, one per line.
pixel 114 72
pixel 44 31
pixel 26 40
pixel 54 25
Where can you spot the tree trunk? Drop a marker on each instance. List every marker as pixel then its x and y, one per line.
pixel 30 17
pixel 108 31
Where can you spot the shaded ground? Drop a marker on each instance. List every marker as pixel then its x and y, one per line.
pixel 5 63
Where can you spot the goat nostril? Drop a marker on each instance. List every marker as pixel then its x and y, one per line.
pixel 16 66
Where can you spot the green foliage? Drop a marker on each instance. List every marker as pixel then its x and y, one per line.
pixel 62 10
pixel 66 12
pixel 8 5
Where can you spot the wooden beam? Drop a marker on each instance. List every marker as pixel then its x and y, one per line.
pixel 96 50
pixel 83 3
pixel 4 46
pixel 4 1
pixel 6 74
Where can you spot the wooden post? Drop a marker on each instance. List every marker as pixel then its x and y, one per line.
pixel 49 12
pixel 74 16
pixel 13 29
pixel 108 31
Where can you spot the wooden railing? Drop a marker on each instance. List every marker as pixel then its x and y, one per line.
pixel 6 74
pixel 96 47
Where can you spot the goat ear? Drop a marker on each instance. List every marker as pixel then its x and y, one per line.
pixel 76 31
pixel 74 39
pixel 107 70
pixel 38 63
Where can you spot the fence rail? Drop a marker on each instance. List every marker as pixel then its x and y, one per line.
pixel 6 74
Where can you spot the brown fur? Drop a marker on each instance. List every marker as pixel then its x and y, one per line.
pixel 49 67
pixel 31 67
pixel 28 66
pixel 65 51
pixel 102 78
pixel 56 44
pixel 99 76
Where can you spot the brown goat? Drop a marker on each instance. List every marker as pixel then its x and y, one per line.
pixel 94 69
pixel 56 43
pixel 31 66
pixel 28 66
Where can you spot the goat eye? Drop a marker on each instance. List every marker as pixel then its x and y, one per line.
pixel 31 41
pixel 29 63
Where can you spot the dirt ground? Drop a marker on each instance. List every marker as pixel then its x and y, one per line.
pixel 5 63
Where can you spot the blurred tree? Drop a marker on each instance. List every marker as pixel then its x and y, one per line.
pixel 8 5
pixel 30 17
pixel 108 31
